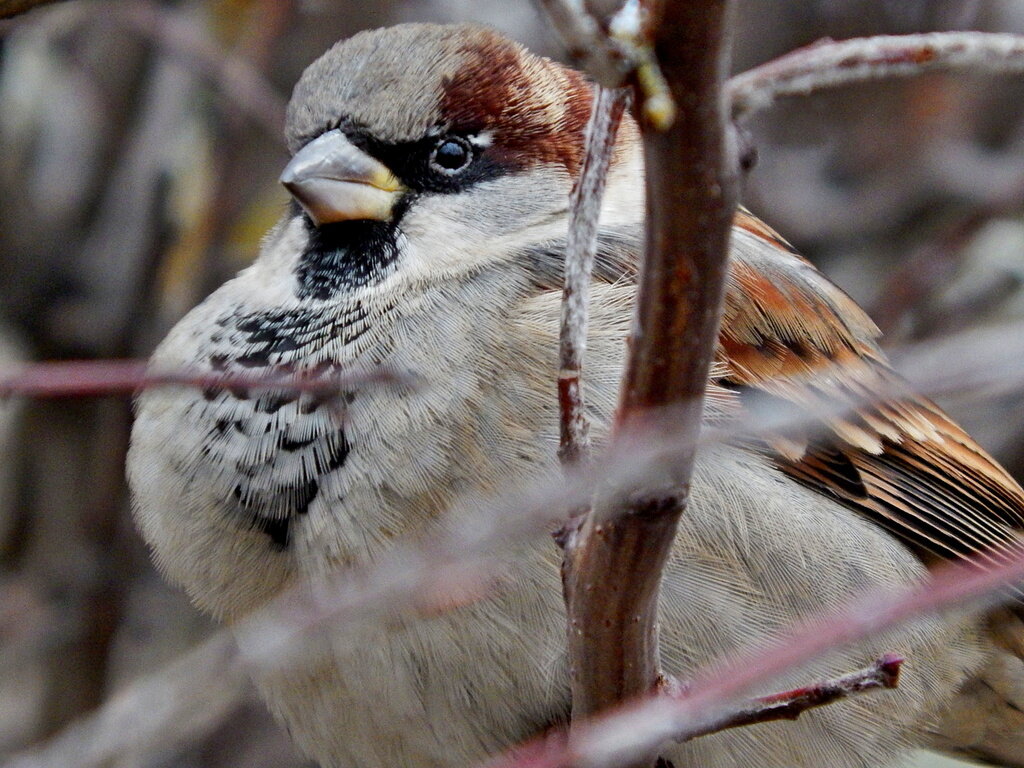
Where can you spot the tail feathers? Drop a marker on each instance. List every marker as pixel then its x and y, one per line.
pixel 986 721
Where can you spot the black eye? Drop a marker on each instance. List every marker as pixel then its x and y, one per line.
pixel 451 155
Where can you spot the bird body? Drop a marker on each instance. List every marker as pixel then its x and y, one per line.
pixel 430 241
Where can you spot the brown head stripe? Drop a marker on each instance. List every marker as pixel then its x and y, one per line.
pixel 536 108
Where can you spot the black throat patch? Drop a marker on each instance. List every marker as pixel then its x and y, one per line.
pixel 346 255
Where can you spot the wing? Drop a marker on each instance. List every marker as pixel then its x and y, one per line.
pixel 794 342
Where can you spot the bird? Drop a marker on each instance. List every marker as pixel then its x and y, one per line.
pixel 430 174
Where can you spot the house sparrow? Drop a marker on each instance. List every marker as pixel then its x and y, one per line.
pixel 431 173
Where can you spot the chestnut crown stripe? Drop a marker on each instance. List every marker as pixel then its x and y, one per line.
pixel 535 109
pixel 473 80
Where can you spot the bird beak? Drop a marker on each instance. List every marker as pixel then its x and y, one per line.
pixel 333 180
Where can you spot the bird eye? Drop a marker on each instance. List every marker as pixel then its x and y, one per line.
pixel 451 155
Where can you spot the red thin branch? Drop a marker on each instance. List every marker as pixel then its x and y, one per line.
pixel 789 705
pixel 830 64
pixel 103 378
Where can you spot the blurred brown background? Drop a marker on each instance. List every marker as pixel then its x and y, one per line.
pixel 139 152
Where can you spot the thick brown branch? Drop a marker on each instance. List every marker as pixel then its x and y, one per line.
pixel 829 64
pixel 613 567
pixel 691 198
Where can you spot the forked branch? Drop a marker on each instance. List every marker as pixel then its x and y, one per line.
pixel 555 750
pixel 613 565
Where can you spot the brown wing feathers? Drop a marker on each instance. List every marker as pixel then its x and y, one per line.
pixel 786 335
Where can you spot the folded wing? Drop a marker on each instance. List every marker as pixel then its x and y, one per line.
pixel 794 344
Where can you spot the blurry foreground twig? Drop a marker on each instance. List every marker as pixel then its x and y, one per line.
pixel 102 378
pixel 831 64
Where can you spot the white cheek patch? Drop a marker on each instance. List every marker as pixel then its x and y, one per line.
pixel 270 280
pixel 448 233
pixel 458 232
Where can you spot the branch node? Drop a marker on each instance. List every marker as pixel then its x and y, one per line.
pixel 566 535
pixel 630 32
pixel 658 107
pixel 671 686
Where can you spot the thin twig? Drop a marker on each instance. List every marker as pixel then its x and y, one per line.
pixel 789 705
pixel 992 357
pixel 612 41
pixel 830 64
pixel 102 378
pixel 605 115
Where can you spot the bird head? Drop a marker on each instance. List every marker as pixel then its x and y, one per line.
pixel 422 151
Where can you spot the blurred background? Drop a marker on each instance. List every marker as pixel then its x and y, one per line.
pixel 139 153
